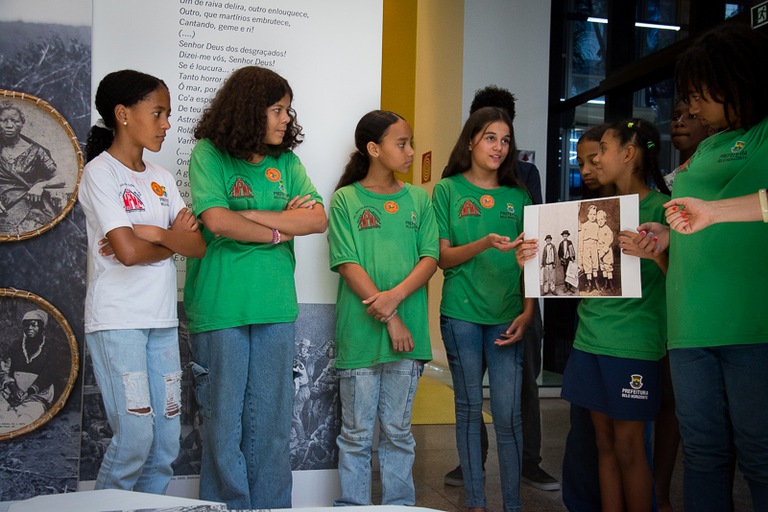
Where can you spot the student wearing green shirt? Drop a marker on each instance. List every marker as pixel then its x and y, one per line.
pixel 383 244
pixel 614 367
pixel 479 207
pixel 718 340
pixel 253 196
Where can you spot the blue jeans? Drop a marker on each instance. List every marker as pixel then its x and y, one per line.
pixel 386 389
pixel 139 375
pixel 244 387
pixel 722 404
pixel 466 344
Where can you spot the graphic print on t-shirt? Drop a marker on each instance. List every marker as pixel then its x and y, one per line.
pixel 132 201
pixel 469 208
pixel 240 188
pixel 368 218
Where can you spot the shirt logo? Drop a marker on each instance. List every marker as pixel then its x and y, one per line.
pixel 158 189
pixel 510 208
pixel 413 223
pixel 240 188
pixel 131 201
pixel 368 220
pixel 272 174
pixel 391 207
pixel 738 146
pixel 487 201
pixel 469 208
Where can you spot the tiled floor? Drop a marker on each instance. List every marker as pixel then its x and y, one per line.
pixel 436 455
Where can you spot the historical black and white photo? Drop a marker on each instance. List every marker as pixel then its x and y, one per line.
pixel 38 362
pixel 40 165
pixel 578 249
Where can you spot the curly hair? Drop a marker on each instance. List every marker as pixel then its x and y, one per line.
pixel 7 105
pixel 372 127
pixel 126 87
pixel 726 62
pixel 494 96
pixel 645 137
pixel 236 121
pixel 461 157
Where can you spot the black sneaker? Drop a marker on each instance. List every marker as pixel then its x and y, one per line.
pixel 455 478
pixel 539 479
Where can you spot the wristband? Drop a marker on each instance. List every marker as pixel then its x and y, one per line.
pixel 275 237
pixel 763 203
pixel 390 317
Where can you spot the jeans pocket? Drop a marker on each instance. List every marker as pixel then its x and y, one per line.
pixel 202 388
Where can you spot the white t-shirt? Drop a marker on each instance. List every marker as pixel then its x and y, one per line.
pixel 113 196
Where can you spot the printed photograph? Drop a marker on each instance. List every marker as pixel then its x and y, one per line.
pixel 40 166
pixel 578 249
pixel 38 362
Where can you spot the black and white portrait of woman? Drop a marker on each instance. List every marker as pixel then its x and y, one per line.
pixel 40 165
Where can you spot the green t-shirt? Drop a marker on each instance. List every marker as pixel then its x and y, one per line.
pixel 485 289
pixel 629 328
pixel 241 283
pixel 387 235
pixel 717 281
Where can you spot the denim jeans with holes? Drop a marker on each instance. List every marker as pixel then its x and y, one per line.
pixel 386 390
pixel 138 373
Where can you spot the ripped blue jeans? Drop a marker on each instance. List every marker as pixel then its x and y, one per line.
pixel 139 374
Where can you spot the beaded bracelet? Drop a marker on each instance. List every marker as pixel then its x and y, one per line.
pixel 763 203
pixel 275 237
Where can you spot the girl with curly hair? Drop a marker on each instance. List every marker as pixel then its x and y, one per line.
pixel 718 346
pixel 253 196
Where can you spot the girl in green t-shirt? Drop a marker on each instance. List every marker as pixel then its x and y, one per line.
pixel 614 368
pixel 254 197
pixel 479 204
pixel 383 243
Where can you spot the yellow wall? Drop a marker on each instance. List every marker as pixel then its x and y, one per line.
pixel 422 70
pixel 398 61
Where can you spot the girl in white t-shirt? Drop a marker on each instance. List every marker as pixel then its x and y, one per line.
pixel 136 221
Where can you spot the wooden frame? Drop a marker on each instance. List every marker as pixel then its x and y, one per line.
pixel 40 166
pixel 24 407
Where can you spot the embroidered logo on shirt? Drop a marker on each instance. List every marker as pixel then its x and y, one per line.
pixel 413 222
pixel 240 188
pixel 132 201
pixel 391 207
pixel 368 219
pixel 738 146
pixel 469 208
pixel 509 213
pixel 281 186
pixel 158 189
pixel 487 201
pixel 272 174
